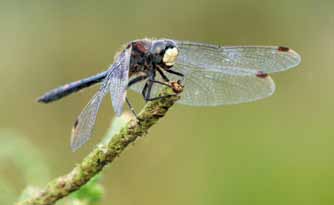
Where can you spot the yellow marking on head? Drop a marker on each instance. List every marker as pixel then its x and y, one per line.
pixel 170 56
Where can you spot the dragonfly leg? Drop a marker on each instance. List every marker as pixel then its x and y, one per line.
pixel 148 90
pixel 159 97
pixel 132 82
pixel 149 87
pixel 175 73
pixel 159 82
pixel 162 74
pixel 149 84
pixel 136 80
pixel 143 92
pixel 131 108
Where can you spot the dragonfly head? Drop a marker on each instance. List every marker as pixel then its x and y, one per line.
pixel 164 53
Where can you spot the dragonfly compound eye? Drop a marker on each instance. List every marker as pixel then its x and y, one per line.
pixel 170 56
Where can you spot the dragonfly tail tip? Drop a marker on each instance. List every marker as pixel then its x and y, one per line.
pixel 42 99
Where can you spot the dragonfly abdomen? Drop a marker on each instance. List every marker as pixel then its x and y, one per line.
pixel 70 88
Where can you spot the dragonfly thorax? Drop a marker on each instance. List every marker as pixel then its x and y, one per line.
pixel 146 54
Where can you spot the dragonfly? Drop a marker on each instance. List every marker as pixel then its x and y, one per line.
pixel 213 75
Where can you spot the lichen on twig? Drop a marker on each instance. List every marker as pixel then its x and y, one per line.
pixel 105 154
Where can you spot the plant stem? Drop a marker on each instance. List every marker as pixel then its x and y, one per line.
pixel 105 154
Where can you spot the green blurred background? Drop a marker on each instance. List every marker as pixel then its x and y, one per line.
pixel 274 151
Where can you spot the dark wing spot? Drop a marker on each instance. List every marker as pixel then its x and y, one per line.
pixel 283 49
pixel 261 74
pixel 76 123
pixel 74 130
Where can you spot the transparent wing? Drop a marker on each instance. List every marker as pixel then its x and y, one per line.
pixel 83 126
pixel 119 80
pixel 236 60
pixel 207 88
pixel 115 82
pixel 216 75
pixel 211 88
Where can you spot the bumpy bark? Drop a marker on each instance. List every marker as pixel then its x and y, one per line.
pixel 103 155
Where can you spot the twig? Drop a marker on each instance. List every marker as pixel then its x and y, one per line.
pixel 103 155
